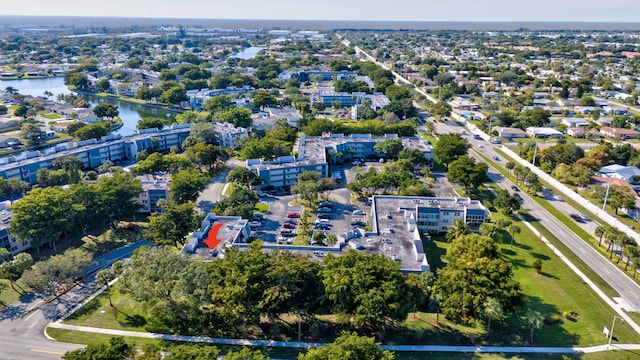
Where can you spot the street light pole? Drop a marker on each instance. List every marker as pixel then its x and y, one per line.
pixel 613 324
pixel 299 325
pixel 606 196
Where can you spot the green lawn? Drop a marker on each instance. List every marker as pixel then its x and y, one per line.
pixel 8 295
pixel 577 230
pixel 52 116
pixel 131 315
pixel 262 208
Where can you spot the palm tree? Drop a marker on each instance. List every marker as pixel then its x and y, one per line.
pixel 610 239
pixel 513 230
pixel 103 277
pixel 601 231
pixel 434 302
pixel 11 90
pixel 535 320
pixel 488 229
pixel 492 310
pixel 458 229
pixel 630 251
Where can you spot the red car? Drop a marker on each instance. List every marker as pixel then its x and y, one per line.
pixel 293 215
pixel 288 226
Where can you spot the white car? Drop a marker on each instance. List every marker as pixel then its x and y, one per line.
pixel 255 224
pixel 359 212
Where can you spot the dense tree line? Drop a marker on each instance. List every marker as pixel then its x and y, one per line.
pixel 222 298
pixel 44 215
pixel 317 127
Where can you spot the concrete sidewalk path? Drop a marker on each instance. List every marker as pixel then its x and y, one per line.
pixel 400 348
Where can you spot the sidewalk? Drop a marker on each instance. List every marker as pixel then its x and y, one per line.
pixel 303 345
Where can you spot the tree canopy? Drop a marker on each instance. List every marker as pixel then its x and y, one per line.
pixel 474 273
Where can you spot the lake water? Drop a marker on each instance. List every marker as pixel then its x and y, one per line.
pixel 248 53
pixel 130 113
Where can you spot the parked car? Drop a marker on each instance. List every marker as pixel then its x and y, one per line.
pixel 255 224
pixel 287 233
pixel 326 204
pixel 293 215
pixel 290 221
pixel 258 217
pixel 358 223
pixel 359 212
pixel 324 216
pixel 324 210
pixel 289 226
pixel 321 225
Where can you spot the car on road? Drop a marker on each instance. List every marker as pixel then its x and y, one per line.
pixel 557 197
pixel 576 218
pixel 359 212
pixel 324 210
pixel 516 195
pixel 496 158
pixel 481 146
pixel 514 188
pixel 293 215
pixel 583 217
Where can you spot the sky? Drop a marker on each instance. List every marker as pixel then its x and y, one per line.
pixel 393 10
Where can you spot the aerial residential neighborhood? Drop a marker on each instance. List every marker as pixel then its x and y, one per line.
pixel 203 189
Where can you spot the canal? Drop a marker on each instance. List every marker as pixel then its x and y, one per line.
pixel 130 112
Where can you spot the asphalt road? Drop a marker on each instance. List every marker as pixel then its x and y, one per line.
pixel 22 324
pixel 619 281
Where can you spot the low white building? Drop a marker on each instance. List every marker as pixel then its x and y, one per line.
pixel 543 132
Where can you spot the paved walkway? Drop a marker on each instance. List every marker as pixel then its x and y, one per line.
pixel 303 345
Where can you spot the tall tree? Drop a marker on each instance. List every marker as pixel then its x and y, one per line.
pixel 467 172
pixel 369 287
pixel 186 185
pixel 474 273
pixel 244 177
pixel 349 346
pixel 173 225
pixel 449 147
pixel 47 276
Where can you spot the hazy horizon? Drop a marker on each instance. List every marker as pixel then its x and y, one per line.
pixel 108 21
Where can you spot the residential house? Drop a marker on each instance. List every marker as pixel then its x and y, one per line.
pixel 509 133
pixel 618 133
pixel 574 122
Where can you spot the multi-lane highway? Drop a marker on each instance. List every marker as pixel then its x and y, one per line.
pixel 628 289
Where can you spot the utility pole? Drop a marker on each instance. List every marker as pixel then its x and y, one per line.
pixel 606 196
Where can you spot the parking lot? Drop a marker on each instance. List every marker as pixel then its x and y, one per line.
pixel 338 220
pixel 271 224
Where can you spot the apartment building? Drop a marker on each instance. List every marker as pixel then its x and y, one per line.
pixel 94 153
pixel 315 153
